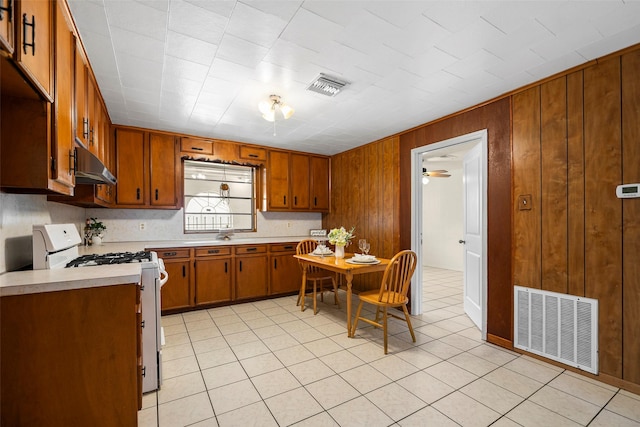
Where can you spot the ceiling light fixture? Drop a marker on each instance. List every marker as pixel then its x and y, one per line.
pixel 269 108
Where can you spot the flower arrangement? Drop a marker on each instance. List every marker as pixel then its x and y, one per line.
pixel 340 236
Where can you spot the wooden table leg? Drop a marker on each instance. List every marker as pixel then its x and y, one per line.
pixel 349 276
pixel 304 285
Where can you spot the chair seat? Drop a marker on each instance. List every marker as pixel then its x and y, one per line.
pixel 392 299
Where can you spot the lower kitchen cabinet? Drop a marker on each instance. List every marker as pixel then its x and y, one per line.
pixel 176 293
pixel 206 276
pixel 71 358
pixel 251 272
pixel 213 275
pixel 285 275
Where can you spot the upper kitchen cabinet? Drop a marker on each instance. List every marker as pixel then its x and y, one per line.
pixel 6 25
pixel 63 102
pixel 278 197
pixel 34 47
pixel 319 193
pixel 164 174
pixel 131 168
pixel 297 182
pixel 81 122
pixel 214 150
pixel 147 170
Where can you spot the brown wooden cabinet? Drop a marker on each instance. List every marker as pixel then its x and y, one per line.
pixel 94 107
pixel 81 117
pixel 71 357
pixel 284 272
pixel 248 152
pixel 131 168
pixel 196 146
pixel 213 277
pixel 176 293
pixel 320 186
pixel 34 53
pixel 278 181
pixel 299 177
pixel 297 182
pixel 204 276
pixel 147 170
pixel 251 272
pixel 62 145
pixel 163 176
pixel 7 18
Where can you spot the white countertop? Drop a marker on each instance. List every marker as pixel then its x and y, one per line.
pixel 36 281
pixel 163 244
pixel 62 279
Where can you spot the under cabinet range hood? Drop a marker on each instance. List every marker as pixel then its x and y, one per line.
pixel 90 170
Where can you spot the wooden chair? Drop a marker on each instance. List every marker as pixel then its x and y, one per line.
pixel 392 294
pixel 316 276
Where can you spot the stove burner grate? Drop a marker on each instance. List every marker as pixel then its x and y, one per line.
pixel 110 258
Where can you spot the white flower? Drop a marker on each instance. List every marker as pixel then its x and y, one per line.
pixel 340 236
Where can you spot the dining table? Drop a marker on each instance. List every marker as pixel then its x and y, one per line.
pixel 344 266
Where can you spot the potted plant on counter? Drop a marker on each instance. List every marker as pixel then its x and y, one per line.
pixel 97 230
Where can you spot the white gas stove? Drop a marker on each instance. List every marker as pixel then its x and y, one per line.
pixel 56 246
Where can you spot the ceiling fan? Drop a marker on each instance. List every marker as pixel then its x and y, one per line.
pixel 440 173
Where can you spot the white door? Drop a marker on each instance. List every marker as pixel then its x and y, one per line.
pixel 472 234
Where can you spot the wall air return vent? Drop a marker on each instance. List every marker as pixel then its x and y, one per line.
pixel 557 326
pixel 326 85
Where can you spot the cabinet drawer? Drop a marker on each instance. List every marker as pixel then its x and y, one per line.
pixel 242 250
pixel 226 250
pixel 193 145
pixel 283 247
pixel 172 253
pixel 253 153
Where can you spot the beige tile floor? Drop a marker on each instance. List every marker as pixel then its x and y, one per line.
pixel 268 364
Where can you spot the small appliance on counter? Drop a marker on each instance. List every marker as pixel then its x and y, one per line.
pixel 56 246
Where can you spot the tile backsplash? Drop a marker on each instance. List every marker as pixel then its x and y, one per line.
pixel 123 225
pixel 18 213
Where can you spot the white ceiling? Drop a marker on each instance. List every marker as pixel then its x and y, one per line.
pixel 201 66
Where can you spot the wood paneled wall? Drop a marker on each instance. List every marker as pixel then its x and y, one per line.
pixel 365 193
pixel 575 138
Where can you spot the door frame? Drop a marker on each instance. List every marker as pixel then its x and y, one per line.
pixel 416 215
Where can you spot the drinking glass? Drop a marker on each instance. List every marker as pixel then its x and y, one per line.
pixel 361 244
pixel 366 248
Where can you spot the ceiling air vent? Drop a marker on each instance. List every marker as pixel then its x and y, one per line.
pixel 326 85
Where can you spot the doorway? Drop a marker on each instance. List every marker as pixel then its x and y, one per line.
pixel 475 286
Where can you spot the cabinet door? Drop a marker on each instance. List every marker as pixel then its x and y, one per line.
pixel 278 180
pixel 251 276
pixel 6 25
pixel 81 122
pixel 319 183
pixel 63 106
pixel 226 151
pixel 213 280
pixel 285 274
pixel 130 161
pixel 105 192
pixel 163 170
pixel 176 293
pixel 299 181
pixel 92 99
pixel 34 52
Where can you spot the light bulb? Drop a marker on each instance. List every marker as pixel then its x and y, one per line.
pixel 425 180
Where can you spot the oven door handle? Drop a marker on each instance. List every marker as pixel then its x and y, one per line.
pixel 164 276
